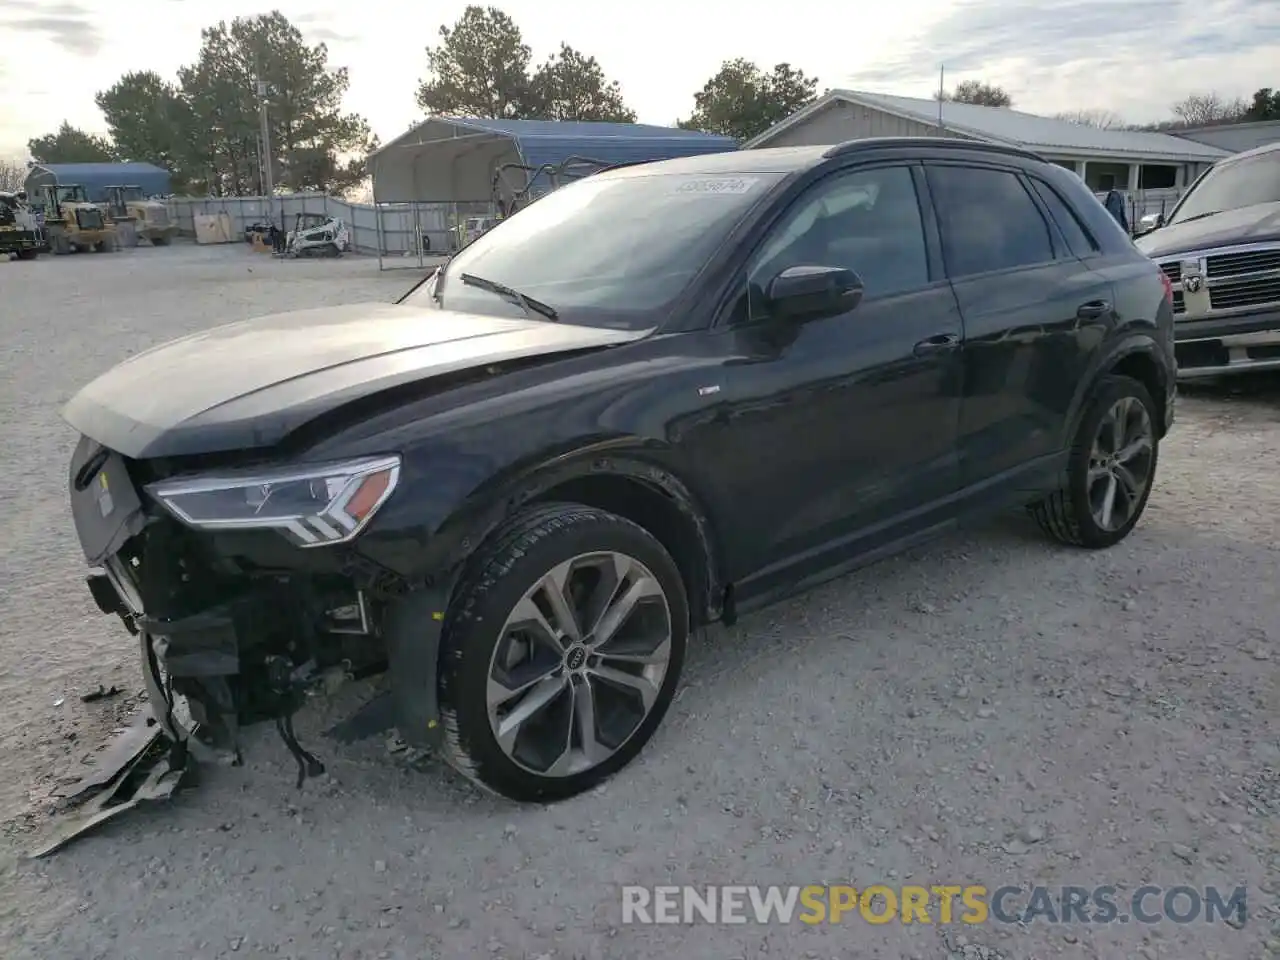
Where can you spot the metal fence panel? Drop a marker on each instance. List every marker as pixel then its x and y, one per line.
pixel 394 231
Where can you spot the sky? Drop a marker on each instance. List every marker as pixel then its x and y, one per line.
pixel 1132 57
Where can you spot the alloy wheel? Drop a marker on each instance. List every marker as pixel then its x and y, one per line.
pixel 579 664
pixel 1120 463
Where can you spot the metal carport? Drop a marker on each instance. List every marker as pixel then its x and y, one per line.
pixel 452 160
pixel 96 177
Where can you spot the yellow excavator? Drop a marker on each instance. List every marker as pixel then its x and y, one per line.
pixel 71 222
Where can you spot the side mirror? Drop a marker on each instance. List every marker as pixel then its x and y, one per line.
pixel 813 292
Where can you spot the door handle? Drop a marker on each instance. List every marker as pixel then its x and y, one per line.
pixel 938 344
pixel 1093 310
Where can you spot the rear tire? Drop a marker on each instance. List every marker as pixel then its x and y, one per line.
pixel 535 712
pixel 1110 471
pixel 28 254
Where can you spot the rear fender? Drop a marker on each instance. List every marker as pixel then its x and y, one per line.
pixel 1136 343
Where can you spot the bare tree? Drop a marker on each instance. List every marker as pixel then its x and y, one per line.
pixel 977 92
pixel 1201 109
pixel 1095 117
pixel 13 174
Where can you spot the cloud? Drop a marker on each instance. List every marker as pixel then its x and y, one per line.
pixel 68 25
pixel 1034 48
pixel 318 28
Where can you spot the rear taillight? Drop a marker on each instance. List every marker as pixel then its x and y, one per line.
pixel 1168 286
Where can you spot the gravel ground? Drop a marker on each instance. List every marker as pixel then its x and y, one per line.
pixel 990 709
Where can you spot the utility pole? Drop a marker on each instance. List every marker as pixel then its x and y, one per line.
pixel 942 90
pixel 268 188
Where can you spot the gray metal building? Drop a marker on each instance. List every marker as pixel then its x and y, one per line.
pixel 1235 137
pixel 1151 164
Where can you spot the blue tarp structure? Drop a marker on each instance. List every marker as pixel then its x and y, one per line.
pixel 453 159
pixel 96 177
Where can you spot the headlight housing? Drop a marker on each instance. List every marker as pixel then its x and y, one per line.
pixel 313 505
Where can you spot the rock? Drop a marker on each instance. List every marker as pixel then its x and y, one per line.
pixel 1183 852
pixel 1235 828
pixel 1015 847
pixel 379 866
pixel 986 713
pixel 1130 605
pixel 1262 653
pixel 1031 833
pixel 962 693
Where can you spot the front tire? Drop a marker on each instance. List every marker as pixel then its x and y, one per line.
pixel 560 653
pixel 1110 471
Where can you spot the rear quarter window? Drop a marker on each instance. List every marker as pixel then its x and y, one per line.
pixel 1079 241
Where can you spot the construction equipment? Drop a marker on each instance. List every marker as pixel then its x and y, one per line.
pixel 151 217
pixel 20 232
pixel 317 235
pixel 71 222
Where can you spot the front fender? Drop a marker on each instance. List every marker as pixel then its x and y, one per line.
pixel 414 622
pixel 443 517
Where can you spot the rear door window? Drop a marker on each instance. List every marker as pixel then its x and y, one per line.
pixel 988 219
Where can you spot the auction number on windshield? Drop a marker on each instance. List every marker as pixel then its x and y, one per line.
pixel 717 185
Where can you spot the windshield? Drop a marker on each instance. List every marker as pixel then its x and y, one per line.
pixel 131 193
pixel 71 194
pixel 603 251
pixel 1232 185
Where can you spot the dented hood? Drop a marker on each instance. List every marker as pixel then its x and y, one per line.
pixel 248 385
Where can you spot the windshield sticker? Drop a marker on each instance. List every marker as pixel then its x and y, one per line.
pixel 731 185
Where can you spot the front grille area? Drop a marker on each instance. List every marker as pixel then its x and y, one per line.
pixel 89 219
pixel 1173 270
pixel 1246 293
pixel 1234 279
pixel 1237 264
pixel 158 217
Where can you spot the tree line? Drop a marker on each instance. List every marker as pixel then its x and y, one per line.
pixel 203 126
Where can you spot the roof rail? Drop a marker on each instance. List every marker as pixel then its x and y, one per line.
pixel 935 143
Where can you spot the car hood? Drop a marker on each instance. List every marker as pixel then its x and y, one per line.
pixel 1258 223
pixel 247 385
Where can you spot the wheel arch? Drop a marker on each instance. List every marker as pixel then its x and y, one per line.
pixel 1135 356
pixel 607 476
pixel 621 475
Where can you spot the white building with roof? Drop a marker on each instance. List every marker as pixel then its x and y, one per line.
pixel 1152 169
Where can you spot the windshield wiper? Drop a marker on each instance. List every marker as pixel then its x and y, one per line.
pixel 1198 216
pixel 527 304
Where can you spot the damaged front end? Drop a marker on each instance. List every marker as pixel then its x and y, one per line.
pixel 215 571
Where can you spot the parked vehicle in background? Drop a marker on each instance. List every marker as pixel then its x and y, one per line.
pixel 71 222
pixel 317 235
pixel 20 233
pixel 472 228
pixel 656 398
pixel 1220 248
pixel 150 217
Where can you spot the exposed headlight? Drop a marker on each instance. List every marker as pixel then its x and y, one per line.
pixel 314 505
